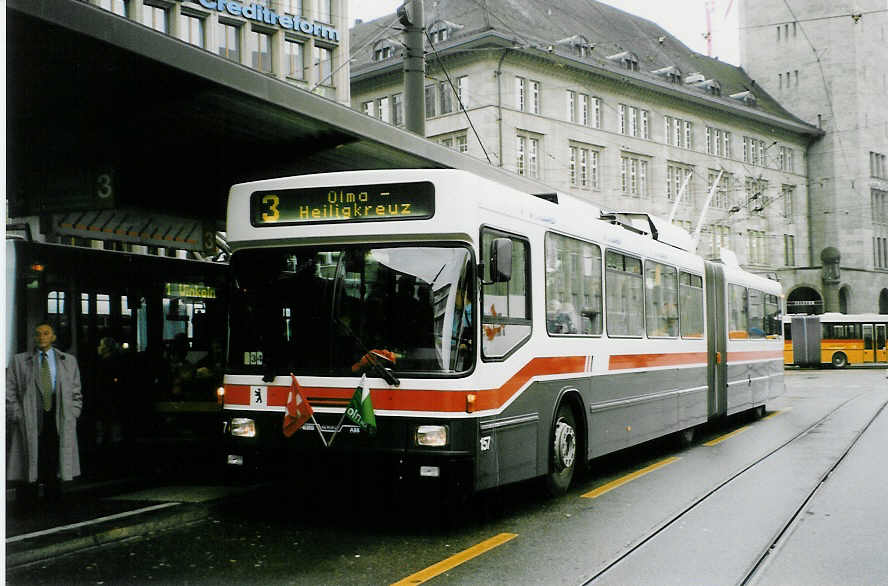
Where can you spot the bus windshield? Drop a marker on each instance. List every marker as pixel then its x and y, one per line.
pixel 318 311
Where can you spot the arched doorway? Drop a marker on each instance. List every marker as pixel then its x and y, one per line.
pixel 844 299
pixel 883 301
pixel 804 300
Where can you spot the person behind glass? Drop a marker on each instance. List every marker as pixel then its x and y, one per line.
pixel 43 402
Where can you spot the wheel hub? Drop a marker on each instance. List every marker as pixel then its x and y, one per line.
pixel 565 445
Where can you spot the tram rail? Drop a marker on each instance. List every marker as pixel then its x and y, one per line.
pixel 760 561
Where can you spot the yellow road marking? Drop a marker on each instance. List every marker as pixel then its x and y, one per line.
pixel 456 559
pixel 775 414
pixel 719 440
pixel 628 478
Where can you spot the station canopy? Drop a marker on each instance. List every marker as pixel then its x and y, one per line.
pixel 103 112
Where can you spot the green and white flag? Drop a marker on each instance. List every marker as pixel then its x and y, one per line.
pixel 360 408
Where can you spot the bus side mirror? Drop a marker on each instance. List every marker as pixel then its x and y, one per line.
pixel 500 260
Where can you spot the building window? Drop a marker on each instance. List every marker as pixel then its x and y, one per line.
pixel 571 106
pixel 430 101
pixel 788 192
pixel 259 46
pixel 584 164
pixel 445 97
pixel 880 252
pixel 527 159
pixel 584 109
pixel 633 121
pixel 879 200
pixel 520 93
pixel 156 17
pixel 721 197
pixel 535 97
pixel 397 110
pixel 756 198
pixel 295 55
pixel 675 178
pixel 877 166
pixel 323 65
pixel 324 11
pixel 789 250
pixel 382 52
pixel 292 7
pixel 756 248
pixel 192 29
pixel 116 6
pixel 633 176
pixel 382 109
pixel 785 159
pixel 753 151
pixel 721 238
pixel 456 141
pixel 596 112
pixel 678 132
pixel 369 108
pixel 462 90
pixel 229 41
pixel 718 142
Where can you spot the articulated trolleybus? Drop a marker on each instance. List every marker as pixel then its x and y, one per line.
pixel 523 335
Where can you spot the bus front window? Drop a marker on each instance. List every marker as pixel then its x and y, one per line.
pixel 319 310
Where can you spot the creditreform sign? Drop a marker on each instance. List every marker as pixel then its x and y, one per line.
pixel 265 15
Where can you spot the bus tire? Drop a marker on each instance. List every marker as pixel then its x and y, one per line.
pixel 839 360
pixel 562 451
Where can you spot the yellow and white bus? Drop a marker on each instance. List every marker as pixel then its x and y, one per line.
pixel 835 338
pixel 530 334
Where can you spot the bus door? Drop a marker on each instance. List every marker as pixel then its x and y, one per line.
pixel 716 341
pixel 869 354
pixel 881 350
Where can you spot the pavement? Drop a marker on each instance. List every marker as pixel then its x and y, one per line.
pixel 95 514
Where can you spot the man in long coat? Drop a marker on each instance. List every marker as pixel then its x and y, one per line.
pixel 43 402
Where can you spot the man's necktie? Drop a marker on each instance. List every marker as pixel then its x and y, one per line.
pixel 46 383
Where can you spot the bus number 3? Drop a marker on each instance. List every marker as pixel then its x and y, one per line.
pixel 271 213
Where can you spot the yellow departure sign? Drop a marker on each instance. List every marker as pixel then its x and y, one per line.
pixel 355 203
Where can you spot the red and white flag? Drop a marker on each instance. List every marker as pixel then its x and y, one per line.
pixel 298 409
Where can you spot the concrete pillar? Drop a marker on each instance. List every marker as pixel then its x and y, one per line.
pixel 831 276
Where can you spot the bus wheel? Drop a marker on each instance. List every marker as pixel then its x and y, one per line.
pixel 564 452
pixel 839 360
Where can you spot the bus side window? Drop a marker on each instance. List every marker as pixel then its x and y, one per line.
pixel 624 294
pixel 573 286
pixel 756 321
pixel 738 314
pixel 505 316
pixel 691 304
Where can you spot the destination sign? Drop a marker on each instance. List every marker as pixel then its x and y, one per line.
pixel 350 203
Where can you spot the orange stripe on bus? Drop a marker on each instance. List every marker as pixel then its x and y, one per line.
pixel 755 355
pixel 627 361
pixel 422 399
pixel 623 361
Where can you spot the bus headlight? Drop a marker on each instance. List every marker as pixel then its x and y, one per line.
pixel 431 435
pixel 243 427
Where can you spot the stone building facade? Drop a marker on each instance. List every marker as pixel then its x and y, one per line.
pixel 610 107
pixel 825 63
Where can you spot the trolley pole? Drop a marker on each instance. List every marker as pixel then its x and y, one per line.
pixel 411 16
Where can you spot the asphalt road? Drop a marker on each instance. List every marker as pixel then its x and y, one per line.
pixel 794 498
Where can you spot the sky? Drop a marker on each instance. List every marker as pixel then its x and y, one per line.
pixel 686 19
